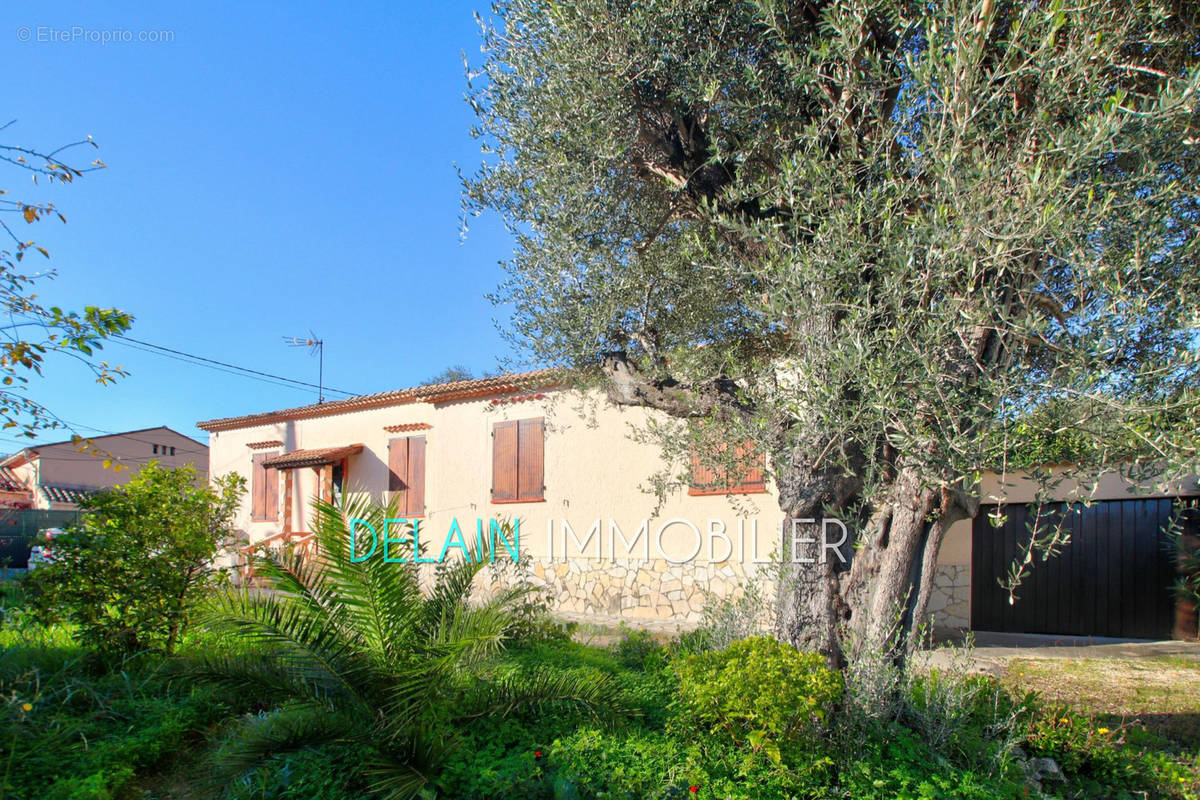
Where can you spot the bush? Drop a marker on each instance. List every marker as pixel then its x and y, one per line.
pixel 639 650
pixel 1086 750
pixel 760 691
pixel 637 764
pixel 72 733
pixel 127 576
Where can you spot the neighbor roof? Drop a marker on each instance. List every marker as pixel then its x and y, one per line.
pixel 23 455
pixel 64 494
pixel 10 481
pixel 434 393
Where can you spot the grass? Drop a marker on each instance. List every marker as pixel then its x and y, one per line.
pixel 95 732
pixel 1162 694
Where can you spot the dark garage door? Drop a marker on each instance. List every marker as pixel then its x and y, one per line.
pixel 1112 579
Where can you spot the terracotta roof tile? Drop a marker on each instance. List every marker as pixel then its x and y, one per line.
pixel 10 481
pixel 264 445
pixel 64 494
pixel 408 426
pixel 436 393
pixel 312 458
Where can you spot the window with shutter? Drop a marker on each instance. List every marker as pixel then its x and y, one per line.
pixel 264 498
pixel 406 474
pixel 749 468
pixel 518 461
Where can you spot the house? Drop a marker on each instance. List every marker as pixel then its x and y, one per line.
pixel 564 465
pixel 56 476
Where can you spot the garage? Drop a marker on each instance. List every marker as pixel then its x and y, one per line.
pixel 1113 578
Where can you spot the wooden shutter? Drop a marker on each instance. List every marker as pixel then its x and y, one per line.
pixel 406 474
pixel 704 478
pixel 270 480
pixel 258 486
pixel 504 462
pixel 530 459
pixel 752 465
pixel 397 465
pixel 415 496
pixel 716 480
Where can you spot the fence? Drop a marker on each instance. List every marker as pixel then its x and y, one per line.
pixel 18 527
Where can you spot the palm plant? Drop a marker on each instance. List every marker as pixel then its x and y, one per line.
pixel 361 655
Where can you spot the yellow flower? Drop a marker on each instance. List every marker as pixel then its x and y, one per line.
pixel 1102 730
pixel 27 706
pixel 1065 721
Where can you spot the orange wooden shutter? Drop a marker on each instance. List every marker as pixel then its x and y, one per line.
pixel 750 468
pixel 753 465
pixel 504 462
pixel 704 479
pixel 397 465
pixel 270 480
pixel 415 501
pixel 531 459
pixel 258 488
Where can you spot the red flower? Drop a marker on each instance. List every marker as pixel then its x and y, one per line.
pixel 537 753
pixel 693 789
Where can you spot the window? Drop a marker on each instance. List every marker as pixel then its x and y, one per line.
pixel 172 450
pixel 264 490
pixel 518 458
pixel 406 474
pixel 748 467
pixel 155 449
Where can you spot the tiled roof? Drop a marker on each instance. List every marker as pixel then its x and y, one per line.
pixel 264 445
pixel 64 494
pixel 408 426
pixel 10 481
pixel 436 393
pixel 312 458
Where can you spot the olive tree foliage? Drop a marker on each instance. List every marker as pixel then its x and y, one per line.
pixel 31 330
pixel 873 238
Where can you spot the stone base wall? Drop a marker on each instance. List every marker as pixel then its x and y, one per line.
pixel 950 599
pixel 647 592
pixel 632 590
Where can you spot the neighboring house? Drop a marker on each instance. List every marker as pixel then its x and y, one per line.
pixel 567 466
pixel 56 476
pixel 13 491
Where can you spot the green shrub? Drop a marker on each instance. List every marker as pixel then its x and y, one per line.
pixel 129 574
pixel 636 764
pixel 762 692
pixel 893 762
pixel 77 734
pixel 1085 749
pixel 970 719
pixel 639 650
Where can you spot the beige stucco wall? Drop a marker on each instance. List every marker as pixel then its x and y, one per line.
pixel 596 471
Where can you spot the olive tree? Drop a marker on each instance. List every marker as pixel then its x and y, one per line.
pixel 872 238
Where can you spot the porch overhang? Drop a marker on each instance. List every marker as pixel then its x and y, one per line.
pixel 311 458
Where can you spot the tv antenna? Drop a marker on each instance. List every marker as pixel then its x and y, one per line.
pixel 317 346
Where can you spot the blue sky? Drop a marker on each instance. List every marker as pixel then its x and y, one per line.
pixel 274 169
